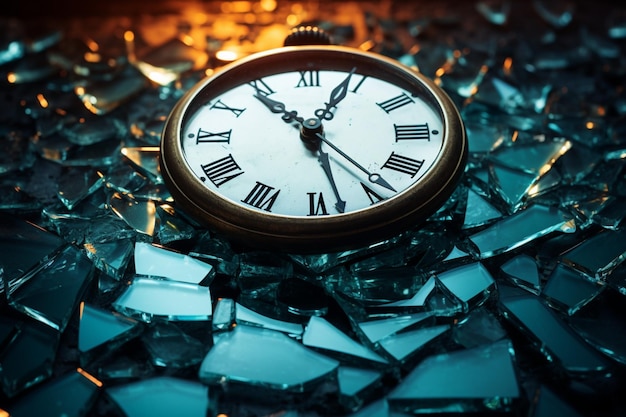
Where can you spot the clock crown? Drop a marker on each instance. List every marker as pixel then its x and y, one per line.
pixel 307 35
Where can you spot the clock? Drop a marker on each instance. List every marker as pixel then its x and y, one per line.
pixel 313 148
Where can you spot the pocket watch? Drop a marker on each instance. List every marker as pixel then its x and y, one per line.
pixel 313 148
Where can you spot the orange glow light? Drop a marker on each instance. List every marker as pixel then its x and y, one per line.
pixel 90 377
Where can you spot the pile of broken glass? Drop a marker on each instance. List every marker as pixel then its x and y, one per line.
pixel 510 299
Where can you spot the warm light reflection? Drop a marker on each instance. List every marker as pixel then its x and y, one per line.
pixel 90 377
pixel 4 413
pixel 268 5
pixel 12 78
pixel 42 101
pixel 590 125
pixel 226 55
pixel 81 307
pixel 92 45
pixel 508 65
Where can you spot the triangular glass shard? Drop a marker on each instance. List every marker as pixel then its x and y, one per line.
pixel 247 316
pixel 170 347
pixel 511 185
pixel 98 327
pixel 112 258
pixel 171 228
pixel 374 330
pixel 29 358
pixel 417 302
pixel 569 290
pixel 22 246
pixel 146 161
pixel 536 158
pixel 355 384
pixel 156 261
pixel 320 334
pixel 470 284
pixel 598 255
pixel 139 215
pixel 483 137
pixel 51 292
pixel 556 341
pixel 161 396
pixel 147 299
pixel 403 345
pixel 77 185
pixel 522 270
pixel 520 229
pixel 257 358
pixel 478 211
pixel 483 379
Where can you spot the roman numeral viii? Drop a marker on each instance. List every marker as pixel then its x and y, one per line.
pixel 205 136
pixel 261 196
pixel 403 164
pixel 221 170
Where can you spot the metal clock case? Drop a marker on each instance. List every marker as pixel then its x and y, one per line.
pixel 313 149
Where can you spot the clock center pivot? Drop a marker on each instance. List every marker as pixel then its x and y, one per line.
pixel 309 131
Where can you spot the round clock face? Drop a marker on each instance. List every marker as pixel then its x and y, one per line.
pixel 313 148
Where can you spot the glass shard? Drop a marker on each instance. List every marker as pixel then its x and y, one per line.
pixel 161 396
pixel 554 339
pixel 51 398
pixel 223 315
pixel 247 316
pixel 103 97
pixel 321 334
pixel 374 330
pixel 479 211
pixel 22 246
pixel 520 229
pixel 355 384
pixel 77 185
pixel 522 271
pixel 406 344
pixel 29 358
pixel 140 215
pixel 112 258
pixel 169 347
pixel 470 284
pixel 146 161
pixel 480 327
pixel 479 380
pixel 156 261
pixel 257 357
pixel 51 292
pixel 99 327
pixel 569 290
pixel 149 299
pixel 598 255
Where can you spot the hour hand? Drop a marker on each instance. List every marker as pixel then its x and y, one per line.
pixel 338 94
pixel 278 107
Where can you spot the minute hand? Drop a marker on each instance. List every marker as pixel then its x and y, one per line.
pixel 373 177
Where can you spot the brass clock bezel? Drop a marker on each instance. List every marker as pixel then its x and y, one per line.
pixel 313 234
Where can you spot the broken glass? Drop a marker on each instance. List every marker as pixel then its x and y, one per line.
pixel 148 299
pixel 257 357
pixel 520 229
pixel 51 399
pixel 551 335
pixel 477 380
pixel 162 395
pixel 102 331
pixel 51 291
pixel 522 268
